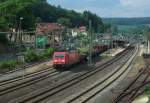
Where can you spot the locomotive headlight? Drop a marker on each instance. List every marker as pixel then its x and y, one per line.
pixel 55 60
pixel 62 60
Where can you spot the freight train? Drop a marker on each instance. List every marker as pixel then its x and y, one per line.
pixel 70 57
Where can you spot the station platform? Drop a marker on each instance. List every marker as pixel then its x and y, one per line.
pixel 113 52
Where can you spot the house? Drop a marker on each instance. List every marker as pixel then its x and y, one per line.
pixel 78 31
pixel 51 31
pixel 83 30
pixel 24 38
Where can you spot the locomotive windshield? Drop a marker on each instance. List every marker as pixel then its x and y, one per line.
pixel 59 56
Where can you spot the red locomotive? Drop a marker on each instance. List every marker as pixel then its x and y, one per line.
pixel 67 58
pixel 62 59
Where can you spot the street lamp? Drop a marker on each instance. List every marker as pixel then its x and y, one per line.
pixel 20 40
pixel 20 23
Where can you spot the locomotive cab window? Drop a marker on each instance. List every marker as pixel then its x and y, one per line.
pixel 59 56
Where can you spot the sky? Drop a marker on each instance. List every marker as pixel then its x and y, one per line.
pixel 108 8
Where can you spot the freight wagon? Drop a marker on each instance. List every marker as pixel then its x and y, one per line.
pixel 68 58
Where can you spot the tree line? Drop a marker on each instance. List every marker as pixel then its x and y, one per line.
pixel 128 21
pixel 35 11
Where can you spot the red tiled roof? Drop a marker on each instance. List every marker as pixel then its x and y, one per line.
pixel 43 28
pixel 82 28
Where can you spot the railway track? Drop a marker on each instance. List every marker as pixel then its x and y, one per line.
pixel 134 89
pixel 139 91
pixel 16 84
pixel 135 92
pixel 91 92
pixel 19 78
pixel 123 93
pixel 47 92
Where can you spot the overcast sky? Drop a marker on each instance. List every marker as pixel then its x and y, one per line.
pixel 108 8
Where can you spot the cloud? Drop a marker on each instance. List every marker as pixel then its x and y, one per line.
pixel 135 3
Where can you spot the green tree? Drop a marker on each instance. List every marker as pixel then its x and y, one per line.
pixel 3 39
pixel 64 21
pixel 39 10
pixel 96 21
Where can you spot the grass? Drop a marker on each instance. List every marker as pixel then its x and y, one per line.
pixel 9 65
pixel 147 91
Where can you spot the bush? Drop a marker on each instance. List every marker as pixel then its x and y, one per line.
pixel 31 56
pixel 8 64
pixel 147 91
pixel 146 55
pixel 48 52
pixel 83 51
pixel 3 38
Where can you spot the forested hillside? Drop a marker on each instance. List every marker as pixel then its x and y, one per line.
pixel 34 11
pixel 127 21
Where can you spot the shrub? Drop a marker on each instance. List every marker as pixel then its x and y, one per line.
pixel 146 55
pixel 48 52
pixel 8 64
pixel 3 38
pixel 31 56
pixel 83 51
pixel 147 91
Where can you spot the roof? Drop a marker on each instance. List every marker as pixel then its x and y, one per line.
pixel 44 28
pixel 82 29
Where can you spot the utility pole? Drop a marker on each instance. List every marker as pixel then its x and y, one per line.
pixel 90 44
pixel 148 43
pixel 35 41
pixel 148 47
pixel 20 43
pixel 20 35
pixel 20 24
